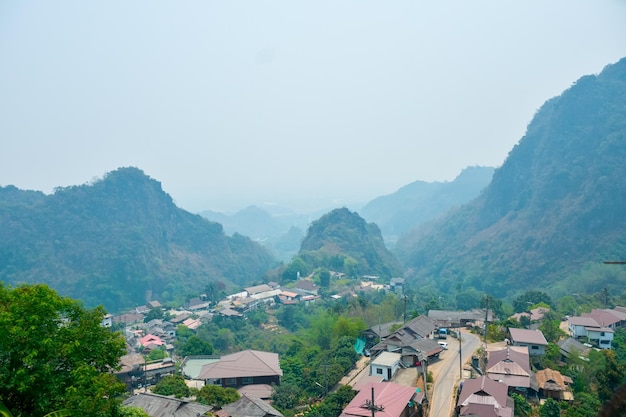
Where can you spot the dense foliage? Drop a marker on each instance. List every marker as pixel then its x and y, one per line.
pixel 553 211
pixel 172 385
pixel 54 355
pixel 113 240
pixel 342 241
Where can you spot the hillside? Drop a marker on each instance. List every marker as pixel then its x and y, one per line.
pixel 279 231
pixel 117 241
pixel 421 201
pixel 342 241
pixel 552 213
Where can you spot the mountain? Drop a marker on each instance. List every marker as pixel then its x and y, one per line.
pixel 553 211
pixel 279 230
pixel 342 241
pixel 421 201
pixel 118 241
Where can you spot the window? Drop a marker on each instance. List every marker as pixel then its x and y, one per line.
pixel 230 381
pixel 247 380
pixel 379 371
pixel 534 347
pixel 601 333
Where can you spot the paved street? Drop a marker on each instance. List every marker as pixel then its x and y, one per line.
pixel 446 374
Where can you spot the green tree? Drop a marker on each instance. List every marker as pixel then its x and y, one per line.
pixel 217 396
pixel 132 412
pixel 54 354
pixel 153 314
pixel 297 267
pixel 195 346
pixel 172 385
pixel 522 407
pixel 287 396
pixel 528 299
pixel 550 408
pixel 325 278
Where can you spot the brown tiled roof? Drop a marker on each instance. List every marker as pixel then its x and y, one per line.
pixel 551 380
pixel 248 363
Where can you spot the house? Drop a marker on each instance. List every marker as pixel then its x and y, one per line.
pixel 510 366
pixel 307 286
pixel 607 317
pixel 248 407
pixel 533 339
pixel 571 346
pixel 484 397
pixel 448 318
pixel 197 303
pixel 386 365
pixel 396 284
pixel 586 327
pixel 247 367
pixel 149 340
pixel 535 314
pixel 403 341
pixel 387 398
pixel 161 406
pixel 107 320
pixel 551 384
pixel 258 289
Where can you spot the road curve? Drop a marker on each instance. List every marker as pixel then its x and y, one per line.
pixel 441 402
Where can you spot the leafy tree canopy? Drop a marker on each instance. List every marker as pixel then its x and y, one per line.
pixel 54 354
pixel 172 385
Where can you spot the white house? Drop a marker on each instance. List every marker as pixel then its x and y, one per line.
pixel 581 327
pixel 385 365
pixel 533 339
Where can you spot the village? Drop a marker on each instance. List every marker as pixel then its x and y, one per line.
pixel 402 365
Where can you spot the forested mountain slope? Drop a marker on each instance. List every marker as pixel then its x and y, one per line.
pixel 552 213
pixel 117 241
pixel 343 241
pixel 421 201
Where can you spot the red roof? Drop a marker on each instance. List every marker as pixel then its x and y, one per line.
pixel 392 397
pixel 531 337
pixel 151 339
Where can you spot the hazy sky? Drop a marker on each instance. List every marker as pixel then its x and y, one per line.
pixel 229 103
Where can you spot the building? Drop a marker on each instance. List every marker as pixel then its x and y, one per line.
pixel 385 365
pixel 247 367
pixel 248 407
pixel 533 339
pixel 552 384
pixel 387 399
pixel 484 397
pixel 510 366
pixel 586 327
pixel 160 406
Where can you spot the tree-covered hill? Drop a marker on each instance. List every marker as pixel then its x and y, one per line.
pixel 117 241
pixel 422 201
pixel 342 241
pixel 552 213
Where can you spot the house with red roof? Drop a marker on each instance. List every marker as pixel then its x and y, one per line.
pixel 248 367
pixel 151 339
pixel 387 398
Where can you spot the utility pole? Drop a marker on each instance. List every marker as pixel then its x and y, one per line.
pixel 460 356
pixel 371 405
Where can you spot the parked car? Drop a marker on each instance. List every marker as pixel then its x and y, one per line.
pixel 444 345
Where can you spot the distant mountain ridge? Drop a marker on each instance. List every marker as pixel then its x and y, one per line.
pixel 420 201
pixel 552 213
pixel 117 241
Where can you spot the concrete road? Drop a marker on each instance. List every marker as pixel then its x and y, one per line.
pixel 446 375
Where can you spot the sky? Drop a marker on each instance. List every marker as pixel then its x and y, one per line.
pixel 301 103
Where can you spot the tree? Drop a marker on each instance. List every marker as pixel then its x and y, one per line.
pixel 195 346
pixel 325 278
pixel 54 354
pixel 172 385
pixel 217 396
pixel 550 408
pixel 522 407
pixel 154 314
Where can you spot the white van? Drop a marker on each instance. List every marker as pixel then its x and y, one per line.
pixel 444 345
